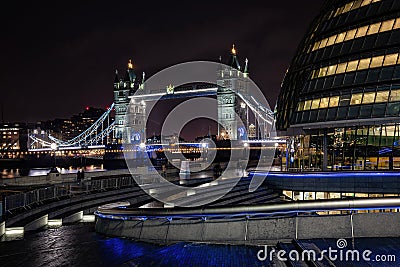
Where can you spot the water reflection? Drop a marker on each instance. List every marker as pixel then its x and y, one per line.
pixel 13 173
pixel 80 245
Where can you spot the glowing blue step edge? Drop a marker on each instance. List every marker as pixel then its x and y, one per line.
pixel 333 175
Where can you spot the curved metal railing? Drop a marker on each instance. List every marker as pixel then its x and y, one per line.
pixel 253 210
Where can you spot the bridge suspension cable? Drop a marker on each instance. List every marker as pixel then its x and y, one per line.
pixel 94 135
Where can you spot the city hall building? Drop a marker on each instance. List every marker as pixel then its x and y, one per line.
pixel 340 99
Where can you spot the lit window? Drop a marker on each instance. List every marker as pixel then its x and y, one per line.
pixel 353 6
pixel 356 99
pixel 366 2
pixel 301 106
pixel 316 46
pixel 331 70
pixel 339 11
pixel 374 62
pixel 361 32
pixel 350 35
pixel 387 25
pixel 364 64
pixel 307 105
pixel 324 102
pixel 347 7
pixel 390 60
pixel 374 28
pixel 369 98
pixel 323 42
pixel 334 101
pixel 394 96
pixel 341 68
pixel 323 72
pixel 397 24
pixel 315 104
pixel 377 62
pixel 382 97
pixel 357 4
pixel 340 37
pixel 357 33
pixel 331 40
pixel 352 66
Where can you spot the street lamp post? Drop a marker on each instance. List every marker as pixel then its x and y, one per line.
pixel 54 148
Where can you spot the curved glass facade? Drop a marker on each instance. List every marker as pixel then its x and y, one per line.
pixel 341 95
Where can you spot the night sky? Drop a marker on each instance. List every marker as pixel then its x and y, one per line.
pixel 58 57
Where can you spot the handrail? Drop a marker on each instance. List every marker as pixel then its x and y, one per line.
pixel 292 207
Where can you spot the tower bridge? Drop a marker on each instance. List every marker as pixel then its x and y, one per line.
pixel 131 95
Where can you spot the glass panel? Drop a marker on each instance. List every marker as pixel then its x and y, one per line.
pixel 353 112
pixel 340 37
pixel 365 111
pixel 357 4
pixel 324 102
pixel 322 72
pixel 316 45
pixel 356 99
pixel 362 31
pixel 377 62
pixel 394 95
pixel 387 25
pixel 374 28
pixel 350 35
pixel 323 43
pixel 315 74
pixel 331 40
pixel 390 60
pixel 378 110
pixel 339 11
pixel 332 70
pixel 397 24
pixel 331 114
pixel 352 66
pixel 334 101
pixel 307 105
pixel 315 104
pixel 342 112
pixel 341 68
pixel 369 98
pixel 364 64
pixel 393 109
pixel 347 7
pixel 366 2
pixel 344 100
pixel 382 96
pixel 301 106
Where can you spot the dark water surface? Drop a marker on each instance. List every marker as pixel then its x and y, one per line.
pixel 80 245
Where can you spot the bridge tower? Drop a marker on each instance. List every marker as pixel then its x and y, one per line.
pixel 232 79
pixel 122 88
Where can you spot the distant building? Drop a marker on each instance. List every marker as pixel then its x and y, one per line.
pixel 13 138
pixel 66 129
